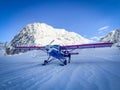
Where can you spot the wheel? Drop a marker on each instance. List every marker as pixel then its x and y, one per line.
pixel 69 58
pixel 65 62
pixel 45 62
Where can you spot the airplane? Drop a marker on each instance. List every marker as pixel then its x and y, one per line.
pixel 63 53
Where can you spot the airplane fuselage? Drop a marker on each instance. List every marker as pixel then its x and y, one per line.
pixel 55 51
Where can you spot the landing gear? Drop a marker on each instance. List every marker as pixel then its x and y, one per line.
pixel 65 62
pixel 47 61
pixel 69 58
pixel 64 58
pixel 67 55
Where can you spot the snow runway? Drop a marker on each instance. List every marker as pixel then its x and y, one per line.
pixel 93 69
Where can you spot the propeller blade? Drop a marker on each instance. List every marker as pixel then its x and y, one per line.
pixel 51 42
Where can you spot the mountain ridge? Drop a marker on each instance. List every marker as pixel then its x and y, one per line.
pixel 41 34
pixel 113 36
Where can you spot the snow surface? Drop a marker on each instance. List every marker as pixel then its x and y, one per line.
pixel 92 69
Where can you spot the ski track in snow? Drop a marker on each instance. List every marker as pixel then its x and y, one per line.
pixel 93 69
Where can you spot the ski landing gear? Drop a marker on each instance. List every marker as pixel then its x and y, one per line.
pixel 47 61
pixel 67 60
pixel 63 63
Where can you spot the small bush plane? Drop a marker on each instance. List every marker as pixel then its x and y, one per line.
pixel 63 53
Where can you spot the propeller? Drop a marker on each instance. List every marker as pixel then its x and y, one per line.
pixel 47 47
pixel 51 42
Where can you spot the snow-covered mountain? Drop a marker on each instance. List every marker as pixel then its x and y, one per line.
pixel 113 36
pixel 42 34
pixel 39 34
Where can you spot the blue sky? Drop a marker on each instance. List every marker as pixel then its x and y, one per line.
pixel 89 18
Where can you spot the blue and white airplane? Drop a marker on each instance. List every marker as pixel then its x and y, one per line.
pixel 63 53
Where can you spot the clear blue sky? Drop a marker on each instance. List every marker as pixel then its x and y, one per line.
pixel 89 18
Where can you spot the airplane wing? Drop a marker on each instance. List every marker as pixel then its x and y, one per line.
pixel 67 47
pixel 30 47
pixel 83 46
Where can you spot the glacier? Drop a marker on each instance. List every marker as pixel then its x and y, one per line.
pixel 92 69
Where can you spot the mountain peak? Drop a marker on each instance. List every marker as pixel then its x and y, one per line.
pixel 41 34
pixel 113 36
